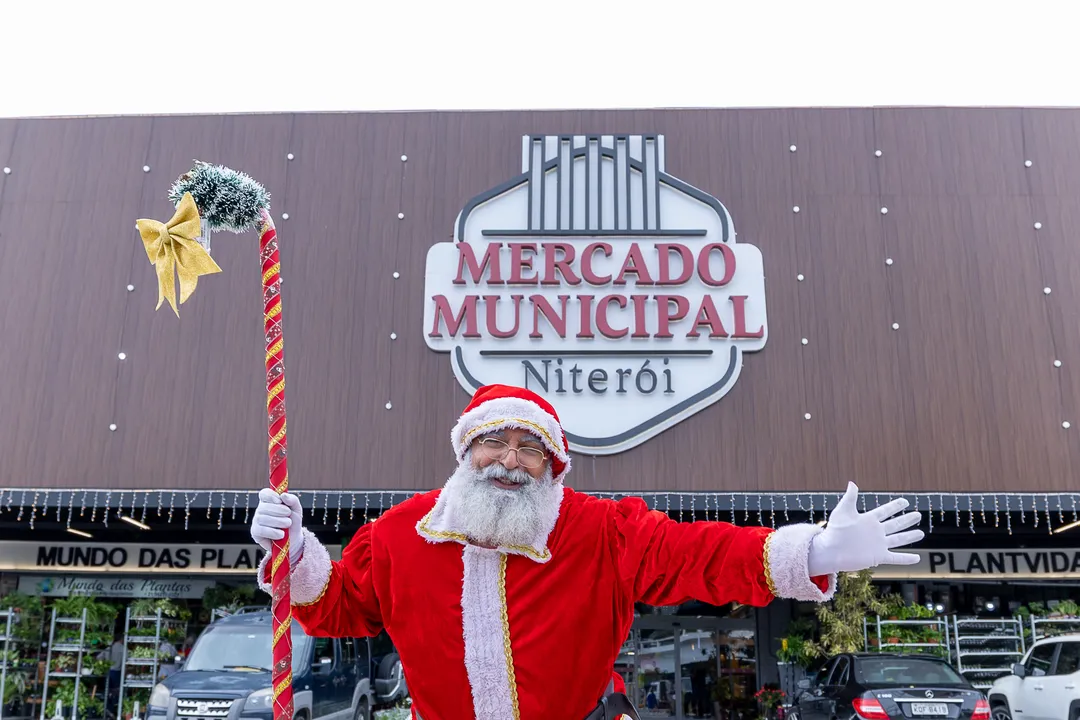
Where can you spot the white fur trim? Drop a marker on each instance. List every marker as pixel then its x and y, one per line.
pixel 789 550
pixel 308 579
pixel 509 412
pixel 437 526
pixel 482 611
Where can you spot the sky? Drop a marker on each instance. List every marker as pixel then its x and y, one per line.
pixel 113 57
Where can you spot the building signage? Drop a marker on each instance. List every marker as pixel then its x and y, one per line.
pixel 129 558
pixel 1013 563
pixel 113 587
pixel 598 280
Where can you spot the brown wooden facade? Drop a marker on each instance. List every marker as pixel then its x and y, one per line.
pixel 963 397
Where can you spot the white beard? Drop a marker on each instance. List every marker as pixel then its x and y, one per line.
pixel 494 517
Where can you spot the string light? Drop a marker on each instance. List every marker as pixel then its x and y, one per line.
pixel 367 499
pixel 187 510
pixel 982 509
pixel 786 518
pixel 33 511
pixel 930 507
pixel 971 515
pixel 247 506
pixel 1008 515
pixel 235 499
pixel 732 508
pixel 772 510
pixel 172 498
pixel 145 500
pixel 337 519
pixel 352 505
pixel 997 517
pixel 108 506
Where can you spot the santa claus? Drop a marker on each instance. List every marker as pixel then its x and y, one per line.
pixel 508 595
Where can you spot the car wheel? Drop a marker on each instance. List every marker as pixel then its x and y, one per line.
pixel 363 710
pixel 1000 711
pixel 791 715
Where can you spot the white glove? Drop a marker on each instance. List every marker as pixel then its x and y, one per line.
pixel 273 516
pixel 854 541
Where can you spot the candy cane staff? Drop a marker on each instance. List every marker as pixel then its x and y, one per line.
pixel 508 595
pixel 213 197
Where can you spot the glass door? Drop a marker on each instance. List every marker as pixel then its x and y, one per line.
pixel 690 668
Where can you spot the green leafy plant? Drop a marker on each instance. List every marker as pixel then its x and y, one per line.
pixel 139 695
pixel 30 612
pixel 1068 608
pixel 229 599
pixel 841 620
pixel 88 707
pixel 15 685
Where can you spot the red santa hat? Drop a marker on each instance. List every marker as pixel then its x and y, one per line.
pixel 497 407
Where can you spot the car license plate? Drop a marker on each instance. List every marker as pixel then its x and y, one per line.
pixel 930 709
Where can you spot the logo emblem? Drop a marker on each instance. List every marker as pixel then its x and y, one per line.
pixel 202 708
pixel 929 693
pixel 615 290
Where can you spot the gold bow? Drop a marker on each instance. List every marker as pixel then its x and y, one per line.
pixel 172 247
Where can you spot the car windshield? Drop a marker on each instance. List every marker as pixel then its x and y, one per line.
pixel 242 648
pixel 905 671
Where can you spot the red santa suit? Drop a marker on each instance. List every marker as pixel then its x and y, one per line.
pixel 531 631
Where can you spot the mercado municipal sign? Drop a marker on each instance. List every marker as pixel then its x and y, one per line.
pixel 601 282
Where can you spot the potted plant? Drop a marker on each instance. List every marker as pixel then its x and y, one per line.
pixel 841 619
pixel 769 698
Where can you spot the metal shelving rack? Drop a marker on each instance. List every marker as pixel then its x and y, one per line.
pixel 153 662
pixel 1070 625
pixel 941 625
pixel 986 648
pixel 78 650
pixel 10 642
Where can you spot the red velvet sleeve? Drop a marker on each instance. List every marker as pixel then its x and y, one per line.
pixel 663 562
pixel 348 605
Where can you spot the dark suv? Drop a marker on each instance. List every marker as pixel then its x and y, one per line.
pixel 226 675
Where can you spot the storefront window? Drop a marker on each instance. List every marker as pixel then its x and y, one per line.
pixel 682 666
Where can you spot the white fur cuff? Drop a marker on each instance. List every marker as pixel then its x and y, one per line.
pixel 786 554
pixel 308 580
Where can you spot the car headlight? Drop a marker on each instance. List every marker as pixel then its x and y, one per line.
pixel 260 700
pixel 160 697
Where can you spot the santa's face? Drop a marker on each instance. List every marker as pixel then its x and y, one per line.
pixel 502 492
pixel 512 449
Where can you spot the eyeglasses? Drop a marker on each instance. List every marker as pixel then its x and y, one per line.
pixel 497 450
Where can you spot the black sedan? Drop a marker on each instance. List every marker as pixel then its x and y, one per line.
pixel 865 686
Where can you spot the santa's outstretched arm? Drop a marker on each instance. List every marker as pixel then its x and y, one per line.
pixel 329 599
pixel 663 562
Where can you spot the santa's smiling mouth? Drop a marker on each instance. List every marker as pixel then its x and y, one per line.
pixel 506 484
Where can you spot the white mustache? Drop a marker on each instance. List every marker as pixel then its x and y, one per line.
pixel 495 471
